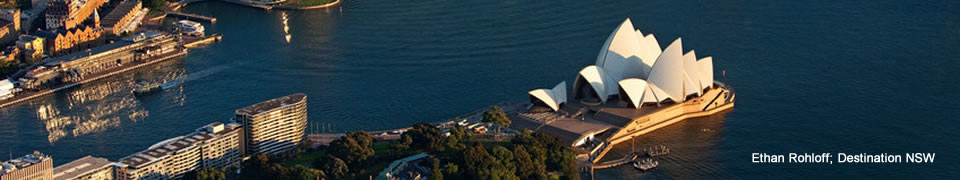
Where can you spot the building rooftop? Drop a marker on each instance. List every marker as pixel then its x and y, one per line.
pixel 104 48
pixel 164 148
pixel 272 104
pixel 119 12
pixel 82 54
pixel 23 162
pixel 27 38
pixel 80 167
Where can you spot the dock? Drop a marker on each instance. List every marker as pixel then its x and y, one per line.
pixel 194 17
pixel 617 162
pixel 192 42
pixel 35 94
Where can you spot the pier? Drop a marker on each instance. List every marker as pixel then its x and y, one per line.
pixel 194 17
pixel 192 42
pixel 34 94
pixel 617 162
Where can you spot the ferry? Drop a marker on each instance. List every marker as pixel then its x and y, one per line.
pixel 645 164
pixel 145 88
pixel 189 27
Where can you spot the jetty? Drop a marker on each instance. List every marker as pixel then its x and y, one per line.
pixel 194 17
pixel 192 42
pixel 657 151
pixel 616 162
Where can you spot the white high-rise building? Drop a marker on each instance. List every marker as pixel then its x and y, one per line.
pixel 275 125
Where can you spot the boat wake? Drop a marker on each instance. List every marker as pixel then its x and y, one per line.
pixel 177 81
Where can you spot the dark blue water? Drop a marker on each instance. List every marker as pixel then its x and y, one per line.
pixel 811 76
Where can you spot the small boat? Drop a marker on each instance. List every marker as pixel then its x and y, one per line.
pixel 189 27
pixel 646 164
pixel 658 151
pixel 144 88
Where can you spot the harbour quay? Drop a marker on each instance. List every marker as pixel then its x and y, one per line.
pixel 128 53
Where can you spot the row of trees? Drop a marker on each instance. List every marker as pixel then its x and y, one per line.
pixel 529 155
pixel 346 155
pixel 261 167
pixel 457 155
pixel 496 116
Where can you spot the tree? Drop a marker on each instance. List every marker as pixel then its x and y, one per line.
pixel 547 149
pixel 505 156
pixel 335 167
pixel 482 165
pixel 154 5
pixel 206 174
pixel 435 173
pixel 477 161
pixel 451 169
pixel 398 147
pixel 526 168
pixel 277 170
pixel 353 148
pixel 9 5
pixel 505 168
pixel 496 116
pixel 569 165
pixel 457 139
pixel 426 137
pixel 261 160
pixel 7 68
pixel 305 173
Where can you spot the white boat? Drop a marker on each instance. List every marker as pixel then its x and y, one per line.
pixel 646 164
pixel 189 27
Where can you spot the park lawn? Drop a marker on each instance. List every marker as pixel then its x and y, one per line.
pixel 307 158
pixel 490 143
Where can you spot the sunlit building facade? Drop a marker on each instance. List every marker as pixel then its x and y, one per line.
pixel 36 166
pixel 274 126
pixel 216 145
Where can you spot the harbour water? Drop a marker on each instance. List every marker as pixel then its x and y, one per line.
pixel 811 77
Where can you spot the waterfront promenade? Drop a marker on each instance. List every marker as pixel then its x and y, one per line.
pixel 317 139
pixel 287 5
pixel 93 77
pixel 188 42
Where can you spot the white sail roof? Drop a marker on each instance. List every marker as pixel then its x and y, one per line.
pixel 667 73
pixel 600 80
pixel 691 73
pixel 706 71
pixel 627 53
pixel 635 89
pixel 552 97
pixel 655 94
pixel 634 63
pixel 649 48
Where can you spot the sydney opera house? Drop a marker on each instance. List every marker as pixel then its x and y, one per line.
pixel 633 88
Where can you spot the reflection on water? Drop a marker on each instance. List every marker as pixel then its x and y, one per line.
pixel 101 105
pixel 286 28
pixel 692 146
